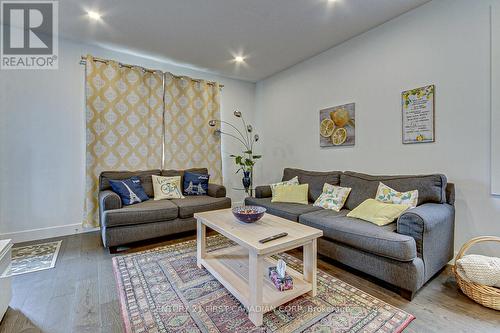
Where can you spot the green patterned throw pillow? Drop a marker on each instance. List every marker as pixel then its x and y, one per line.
pixel 333 197
pixel 389 195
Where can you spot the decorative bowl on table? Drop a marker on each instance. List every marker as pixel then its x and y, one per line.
pixel 248 214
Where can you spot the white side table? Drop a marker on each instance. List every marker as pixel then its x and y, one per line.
pixel 5 286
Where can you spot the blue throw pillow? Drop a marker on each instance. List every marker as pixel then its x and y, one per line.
pixel 130 190
pixel 195 183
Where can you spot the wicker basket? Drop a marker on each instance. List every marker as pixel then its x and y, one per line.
pixel 484 295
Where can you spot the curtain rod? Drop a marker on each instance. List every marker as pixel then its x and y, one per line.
pixel 83 61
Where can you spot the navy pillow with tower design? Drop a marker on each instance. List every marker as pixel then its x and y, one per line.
pixel 130 190
pixel 195 183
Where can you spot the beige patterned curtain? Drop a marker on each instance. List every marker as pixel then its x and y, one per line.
pixel 124 123
pixel 189 141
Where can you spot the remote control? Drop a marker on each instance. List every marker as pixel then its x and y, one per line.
pixel 268 239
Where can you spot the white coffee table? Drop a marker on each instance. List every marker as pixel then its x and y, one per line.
pixel 242 269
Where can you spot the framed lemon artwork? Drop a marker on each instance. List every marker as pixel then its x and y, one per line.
pixel 337 126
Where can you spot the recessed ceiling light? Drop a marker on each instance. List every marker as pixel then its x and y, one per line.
pixel 239 59
pixel 94 15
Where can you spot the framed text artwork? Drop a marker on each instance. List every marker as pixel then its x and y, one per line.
pixel 418 115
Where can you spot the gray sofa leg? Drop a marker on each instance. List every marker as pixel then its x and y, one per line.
pixel 406 294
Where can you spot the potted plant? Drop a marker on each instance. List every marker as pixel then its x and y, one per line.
pixel 245 161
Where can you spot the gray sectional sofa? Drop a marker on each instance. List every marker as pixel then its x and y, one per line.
pixel 405 254
pixel 150 219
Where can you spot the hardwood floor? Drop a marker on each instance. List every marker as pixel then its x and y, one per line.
pixel 79 295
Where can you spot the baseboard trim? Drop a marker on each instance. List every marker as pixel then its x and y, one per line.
pixel 452 261
pixel 43 233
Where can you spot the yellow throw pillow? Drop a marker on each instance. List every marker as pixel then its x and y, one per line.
pixel 293 181
pixel 379 213
pixel 167 187
pixel 291 193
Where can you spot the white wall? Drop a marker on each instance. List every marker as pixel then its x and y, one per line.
pixel 495 99
pixel 42 141
pixel 446 43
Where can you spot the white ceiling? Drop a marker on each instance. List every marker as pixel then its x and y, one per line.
pixel 206 34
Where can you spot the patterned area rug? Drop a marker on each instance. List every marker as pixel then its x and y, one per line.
pixel 33 258
pixel 162 290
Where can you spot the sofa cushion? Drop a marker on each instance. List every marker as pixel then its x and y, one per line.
pixel 391 196
pixel 365 236
pixel 200 203
pixel 376 212
pixel 290 211
pixel 431 188
pixel 291 194
pixel 167 187
pixel 144 176
pixel 172 173
pixel 195 183
pixel 315 179
pixel 290 182
pixel 333 197
pixel 144 212
pixel 328 213
pixel 130 190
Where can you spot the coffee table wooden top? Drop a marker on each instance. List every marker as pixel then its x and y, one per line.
pixel 249 234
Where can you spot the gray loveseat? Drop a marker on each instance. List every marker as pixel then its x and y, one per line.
pixel 405 254
pixel 150 219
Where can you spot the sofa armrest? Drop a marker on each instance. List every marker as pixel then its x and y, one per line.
pixel 109 200
pixel 216 191
pixel 263 191
pixel 432 226
pixel 450 193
